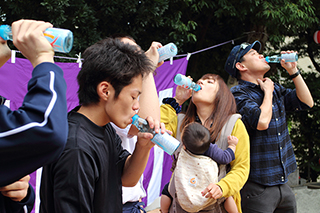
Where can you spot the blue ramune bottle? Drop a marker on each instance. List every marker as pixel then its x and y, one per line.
pixel 60 39
pixel 288 57
pixel 186 82
pixel 165 141
pixel 167 51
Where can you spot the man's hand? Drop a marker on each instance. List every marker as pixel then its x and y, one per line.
pixel 144 138
pixel 291 67
pixel 153 55
pixel 28 37
pixel 18 190
pixel 266 85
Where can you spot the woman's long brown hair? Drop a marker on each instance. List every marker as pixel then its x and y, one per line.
pixel 225 106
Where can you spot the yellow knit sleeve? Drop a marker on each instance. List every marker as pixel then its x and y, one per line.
pixel 238 175
pixel 169 118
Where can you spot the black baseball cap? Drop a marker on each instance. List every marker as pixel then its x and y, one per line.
pixel 236 53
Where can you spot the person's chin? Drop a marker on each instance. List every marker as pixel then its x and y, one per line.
pixel 267 66
pixel 123 126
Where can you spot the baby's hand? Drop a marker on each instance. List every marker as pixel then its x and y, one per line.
pixel 232 141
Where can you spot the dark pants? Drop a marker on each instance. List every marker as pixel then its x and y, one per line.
pixel 256 198
pixel 133 207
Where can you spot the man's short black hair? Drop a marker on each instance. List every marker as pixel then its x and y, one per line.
pixel 113 61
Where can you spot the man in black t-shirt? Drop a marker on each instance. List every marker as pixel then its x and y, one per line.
pixel 89 175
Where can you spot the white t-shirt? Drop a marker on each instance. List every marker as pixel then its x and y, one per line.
pixel 130 194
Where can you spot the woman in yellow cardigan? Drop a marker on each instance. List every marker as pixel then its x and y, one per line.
pixel 212 106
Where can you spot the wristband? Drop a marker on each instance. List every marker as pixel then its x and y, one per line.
pixel 294 75
pixel 172 102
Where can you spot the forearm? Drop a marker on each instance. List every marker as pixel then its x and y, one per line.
pixel 180 101
pixel 135 165
pixel 302 91
pixel 266 112
pixel 40 126
pixel 218 155
pixel 149 101
pixel 232 147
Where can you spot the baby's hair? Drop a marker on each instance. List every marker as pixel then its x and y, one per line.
pixel 196 138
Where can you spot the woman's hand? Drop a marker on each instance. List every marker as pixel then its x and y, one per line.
pixel 182 94
pixel 213 190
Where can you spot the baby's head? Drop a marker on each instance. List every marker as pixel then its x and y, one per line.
pixel 196 138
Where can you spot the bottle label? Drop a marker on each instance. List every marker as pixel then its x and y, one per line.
pixel 290 57
pixel 167 51
pixel 60 39
pixel 186 82
pixel 165 141
pixel 182 81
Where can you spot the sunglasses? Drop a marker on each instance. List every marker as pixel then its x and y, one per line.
pixel 242 47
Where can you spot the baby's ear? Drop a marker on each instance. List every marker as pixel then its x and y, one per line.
pixel 184 147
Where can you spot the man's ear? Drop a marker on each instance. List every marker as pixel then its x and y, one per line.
pixel 103 90
pixel 241 67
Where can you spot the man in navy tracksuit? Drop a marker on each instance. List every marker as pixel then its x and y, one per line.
pixel 36 133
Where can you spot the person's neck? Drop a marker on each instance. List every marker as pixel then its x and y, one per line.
pixel 253 78
pixel 204 111
pixel 94 113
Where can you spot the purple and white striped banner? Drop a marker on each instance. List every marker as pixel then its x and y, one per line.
pixel 14 78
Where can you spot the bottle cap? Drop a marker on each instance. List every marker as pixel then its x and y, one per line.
pixel 135 117
pixel 173 49
pixel 4 31
pixel 60 39
pixel 267 59
pixel 177 78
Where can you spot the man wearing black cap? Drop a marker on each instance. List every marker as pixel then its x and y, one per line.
pixel 263 105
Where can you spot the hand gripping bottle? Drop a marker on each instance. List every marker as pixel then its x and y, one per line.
pixel 167 51
pixel 165 141
pixel 186 82
pixel 60 39
pixel 288 57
